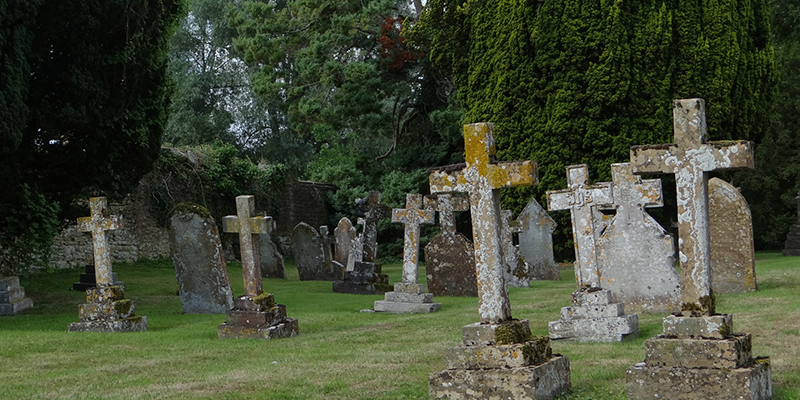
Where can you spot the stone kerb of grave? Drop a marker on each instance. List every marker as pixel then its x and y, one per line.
pixel 312 255
pixel 536 242
pixel 255 315
pixel 409 296
pixel 199 261
pixel 698 356
pixel 449 259
pixel 106 308
pixel 791 246
pixel 12 296
pixel 499 358
pixel 733 257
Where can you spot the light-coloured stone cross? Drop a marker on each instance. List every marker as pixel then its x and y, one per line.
pixel 100 222
pixel 247 224
pixel 447 205
pixel 632 194
pixel 481 179
pixel 412 216
pixel 690 158
pixel 579 199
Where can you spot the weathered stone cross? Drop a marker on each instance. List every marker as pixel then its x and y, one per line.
pixel 447 205
pixel 632 194
pixel 412 216
pixel 579 199
pixel 690 158
pixel 98 224
pixel 373 211
pixel 480 178
pixel 247 224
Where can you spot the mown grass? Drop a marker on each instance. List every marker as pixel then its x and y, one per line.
pixel 340 353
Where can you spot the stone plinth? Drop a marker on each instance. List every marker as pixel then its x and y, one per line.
pixel 257 318
pixel 407 299
pixel 698 358
pixel 12 296
pixel 107 310
pixel 502 361
pixel 592 317
pixel 87 279
pixel 365 278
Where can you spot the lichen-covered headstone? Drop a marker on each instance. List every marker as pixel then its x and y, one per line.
pixel 310 254
pixel 271 259
pixel 635 254
pixel 733 260
pixel 499 358
pixel 449 260
pixel 536 242
pixel 199 261
pixel 371 209
pixel 516 267
pixel 343 236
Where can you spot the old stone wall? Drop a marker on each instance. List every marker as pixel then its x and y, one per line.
pixel 302 201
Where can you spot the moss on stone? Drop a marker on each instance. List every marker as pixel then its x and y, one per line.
pixel 190 208
pixel 725 330
pixel 122 307
pixel 265 300
pixel 510 332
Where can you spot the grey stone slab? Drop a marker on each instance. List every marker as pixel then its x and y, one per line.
pixel 717 326
pixel 751 383
pixel 272 264
pixel 591 296
pixel 344 235
pixel 132 324
pixel 286 329
pixel 12 308
pixel 536 242
pixel 515 355
pixel 8 283
pixel 408 297
pixel 593 311
pixel 406 308
pixel 199 261
pixel 734 352
pixel 410 288
pixel 480 334
pixel 309 254
pixel 610 329
pixel 730 224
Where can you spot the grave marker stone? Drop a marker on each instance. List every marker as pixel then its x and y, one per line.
pixel 516 268
pixel 733 259
pixel 791 246
pixel 88 280
pixel 199 261
pixel 272 265
pixel 371 209
pixel 449 260
pixel 364 278
pixel 499 357
pixel 106 308
pixel 356 247
pixel 12 296
pixel 312 255
pixel 344 235
pixel 536 242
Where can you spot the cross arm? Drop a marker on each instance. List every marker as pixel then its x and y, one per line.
pixel 446 182
pixel 230 224
pixel 512 174
pixel 407 216
pixel 732 154
pixel 559 199
pixel 651 159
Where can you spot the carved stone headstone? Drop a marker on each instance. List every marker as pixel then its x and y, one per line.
pixel 199 261
pixel 12 296
pixel 499 358
pixel 733 258
pixel 635 254
pixel 698 352
pixel 106 308
pixel 272 265
pixel 792 245
pixel 371 209
pixel 449 262
pixel 536 242
pixel 343 236
pixel 516 267
pixel 312 258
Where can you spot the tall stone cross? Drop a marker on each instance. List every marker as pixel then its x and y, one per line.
pixel 481 179
pixel 412 216
pixel 690 158
pixel 247 224
pixel 98 224
pixel 579 199
pixel 632 194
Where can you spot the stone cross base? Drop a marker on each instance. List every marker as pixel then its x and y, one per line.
pixel 88 279
pixel 501 361
pixel 107 310
pixel 408 299
pixel 594 318
pixel 365 278
pixel 12 296
pixel 257 318
pixel 698 358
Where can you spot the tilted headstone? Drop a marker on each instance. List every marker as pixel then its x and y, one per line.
pixel 733 258
pixel 371 209
pixel 593 316
pixel 12 296
pixel 255 315
pixel 409 296
pixel 271 259
pixel 636 254
pixel 536 242
pixel 698 351
pixel 449 260
pixel 499 357
pixel 343 236
pixel 106 308
pixel 791 246
pixel 312 255
pixel 199 261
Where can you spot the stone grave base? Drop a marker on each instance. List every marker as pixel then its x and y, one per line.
pixel 257 318
pixel 751 383
pixel 365 278
pixel 407 299
pixel 107 310
pixel 501 361
pixel 594 318
pixel 88 279
pixel 792 244
pixel 12 296
pixel 132 324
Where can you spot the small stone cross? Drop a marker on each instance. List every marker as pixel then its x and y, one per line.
pixel 447 205
pixel 690 158
pixel 98 224
pixel 246 224
pixel 412 216
pixel 579 199
pixel 632 194
pixel 481 179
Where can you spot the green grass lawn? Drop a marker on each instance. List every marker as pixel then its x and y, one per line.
pixel 340 353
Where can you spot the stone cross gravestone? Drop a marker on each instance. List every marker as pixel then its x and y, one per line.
pixel 791 246
pixel 371 209
pixel 312 255
pixel 698 352
pixel 635 254
pixel 12 296
pixel 536 242
pixel 272 265
pixel 344 235
pixel 409 296
pixel 106 308
pixel 516 268
pixel 199 261
pixel 449 260
pixel 88 279
pixel 499 357
pixel 254 315
pixel 733 258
